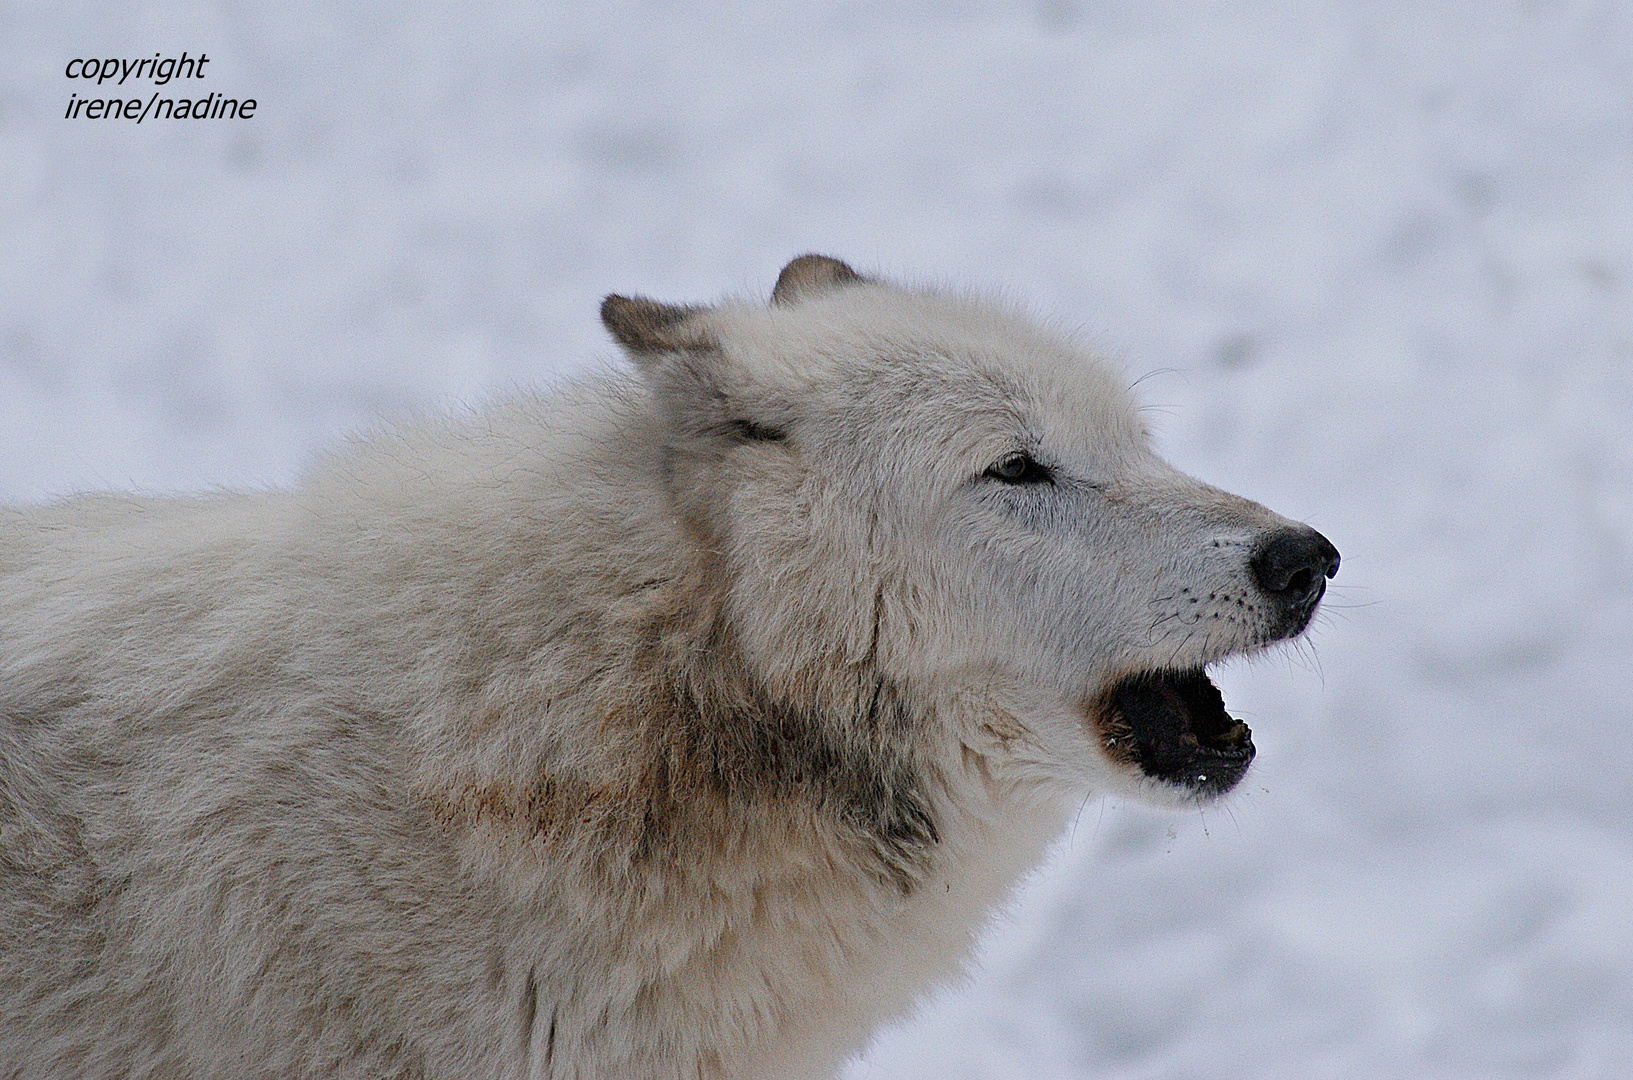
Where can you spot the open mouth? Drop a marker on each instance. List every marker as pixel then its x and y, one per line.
pixel 1173 726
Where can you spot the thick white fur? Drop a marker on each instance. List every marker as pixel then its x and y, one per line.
pixel 582 738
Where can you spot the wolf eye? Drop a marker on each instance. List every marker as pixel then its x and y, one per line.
pixel 1019 468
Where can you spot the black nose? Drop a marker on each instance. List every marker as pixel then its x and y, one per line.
pixel 1293 566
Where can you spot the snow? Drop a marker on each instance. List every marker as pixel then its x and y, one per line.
pixel 1379 258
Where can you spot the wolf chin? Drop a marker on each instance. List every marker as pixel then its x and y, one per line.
pixel 687 723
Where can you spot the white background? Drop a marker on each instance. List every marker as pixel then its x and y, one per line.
pixel 1380 257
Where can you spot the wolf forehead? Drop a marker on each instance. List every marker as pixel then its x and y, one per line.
pixel 857 349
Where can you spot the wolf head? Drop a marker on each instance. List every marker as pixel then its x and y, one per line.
pixel 939 490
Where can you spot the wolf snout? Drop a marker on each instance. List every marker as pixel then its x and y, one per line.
pixel 1292 567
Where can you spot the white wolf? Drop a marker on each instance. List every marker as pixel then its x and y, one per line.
pixel 681 726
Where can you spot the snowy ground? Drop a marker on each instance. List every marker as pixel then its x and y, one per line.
pixel 1382 255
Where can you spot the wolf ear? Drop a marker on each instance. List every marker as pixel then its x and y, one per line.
pixel 706 400
pixel 647 328
pixel 812 275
